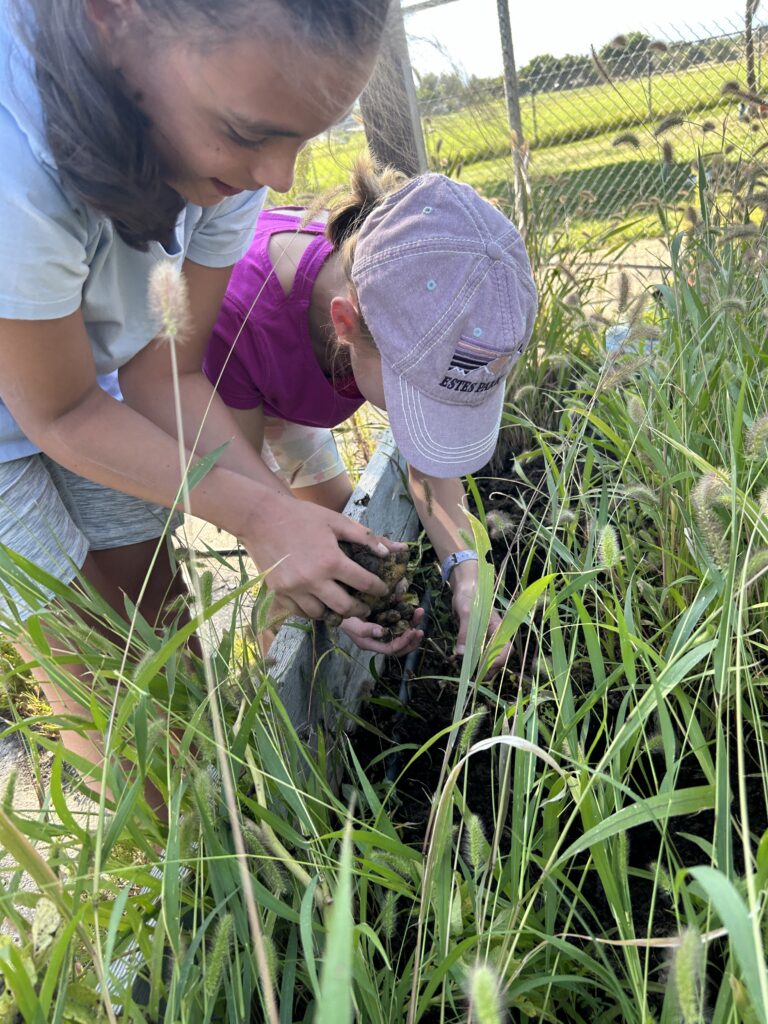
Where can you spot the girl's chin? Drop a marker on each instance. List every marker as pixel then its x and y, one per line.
pixel 201 193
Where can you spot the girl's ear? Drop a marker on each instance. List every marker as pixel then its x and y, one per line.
pixel 346 319
pixel 110 17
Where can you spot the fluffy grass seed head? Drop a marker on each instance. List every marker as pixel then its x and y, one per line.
pixel 756 567
pixel 267 866
pixel 608 547
pixel 636 410
pixel 667 153
pixel 484 995
pixel 525 391
pixel 762 501
pixel 672 121
pixel 710 493
pixel 692 216
pixel 626 139
pixel 687 965
pixel 468 733
pixel 475 843
pixel 623 298
pixel 218 957
pixel 205 794
pixel 756 441
pixel 735 232
pixel 500 525
pixel 731 304
pixel 388 915
pixel 169 301
pixel 663 879
pixel 562 517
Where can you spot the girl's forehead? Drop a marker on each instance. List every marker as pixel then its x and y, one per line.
pixel 274 88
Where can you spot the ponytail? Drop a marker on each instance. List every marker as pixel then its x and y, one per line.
pixel 350 207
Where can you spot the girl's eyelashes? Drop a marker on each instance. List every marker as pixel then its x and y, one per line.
pixel 239 140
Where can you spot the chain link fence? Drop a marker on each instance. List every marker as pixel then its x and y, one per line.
pixel 606 136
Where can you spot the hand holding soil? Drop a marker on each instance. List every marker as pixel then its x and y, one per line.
pixel 308 572
pixel 392 612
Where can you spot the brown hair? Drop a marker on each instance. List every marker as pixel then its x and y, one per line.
pixel 349 208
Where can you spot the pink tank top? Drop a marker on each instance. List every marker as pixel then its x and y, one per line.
pixel 260 352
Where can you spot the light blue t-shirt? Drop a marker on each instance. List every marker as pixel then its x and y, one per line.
pixel 58 255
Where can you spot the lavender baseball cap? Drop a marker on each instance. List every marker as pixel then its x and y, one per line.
pixel 445 287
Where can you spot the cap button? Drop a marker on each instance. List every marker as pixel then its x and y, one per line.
pixel 494 251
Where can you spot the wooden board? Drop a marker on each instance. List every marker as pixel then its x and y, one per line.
pixel 319 671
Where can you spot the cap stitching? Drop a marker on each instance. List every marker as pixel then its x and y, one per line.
pixel 419 435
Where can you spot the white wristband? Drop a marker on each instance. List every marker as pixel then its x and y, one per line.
pixel 455 559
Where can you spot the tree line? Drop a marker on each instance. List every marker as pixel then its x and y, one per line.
pixel 630 56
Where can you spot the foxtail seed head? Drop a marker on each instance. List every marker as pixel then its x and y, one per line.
pixel 218 957
pixel 623 299
pixel 475 843
pixel 687 963
pixel 627 139
pixel 636 410
pixel 484 996
pixel 388 916
pixel 756 441
pixel 756 568
pixel 268 867
pixel 468 733
pixel 169 301
pixel 500 525
pixel 643 494
pixel 710 493
pixel 671 121
pixel 608 547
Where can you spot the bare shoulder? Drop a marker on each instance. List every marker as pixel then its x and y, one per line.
pixel 285 251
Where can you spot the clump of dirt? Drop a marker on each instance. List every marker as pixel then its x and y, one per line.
pixel 395 610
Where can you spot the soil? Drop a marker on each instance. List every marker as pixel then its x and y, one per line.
pixel 430 708
pixel 394 611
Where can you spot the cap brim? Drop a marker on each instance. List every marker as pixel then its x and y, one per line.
pixel 437 438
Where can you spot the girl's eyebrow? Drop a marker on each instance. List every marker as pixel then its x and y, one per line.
pixel 260 127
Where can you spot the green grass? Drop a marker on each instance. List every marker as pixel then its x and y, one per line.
pixel 640 678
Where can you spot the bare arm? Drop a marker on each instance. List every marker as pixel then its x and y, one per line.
pixel 440 506
pixel 49 385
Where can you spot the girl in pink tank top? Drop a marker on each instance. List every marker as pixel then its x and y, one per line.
pixel 293 356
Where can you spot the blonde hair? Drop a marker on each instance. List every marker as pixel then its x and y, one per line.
pixel 350 206
pixel 348 209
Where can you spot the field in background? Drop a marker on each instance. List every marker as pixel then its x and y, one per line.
pixel 583 177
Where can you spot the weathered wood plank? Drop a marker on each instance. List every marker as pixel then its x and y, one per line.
pixel 315 668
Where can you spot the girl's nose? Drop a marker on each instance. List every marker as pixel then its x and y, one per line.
pixel 276 170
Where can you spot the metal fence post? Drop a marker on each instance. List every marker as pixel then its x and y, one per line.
pixel 388 105
pixel 511 85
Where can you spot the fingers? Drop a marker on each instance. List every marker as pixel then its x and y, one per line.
pixel 367 637
pixel 461 640
pixel 418 615
pixel 338 600
pixel 348 529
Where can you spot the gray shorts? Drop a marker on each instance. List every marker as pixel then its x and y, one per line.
pixel 54 518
